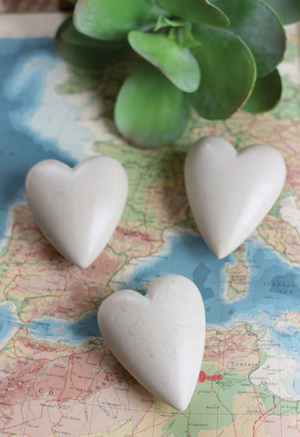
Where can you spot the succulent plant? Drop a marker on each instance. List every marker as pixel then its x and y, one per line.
pixel 215 56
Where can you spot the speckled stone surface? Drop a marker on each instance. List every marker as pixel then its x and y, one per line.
pixel 78 209
pixel 230 193
pixel 159 338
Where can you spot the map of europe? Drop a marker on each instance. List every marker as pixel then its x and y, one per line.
pixel 57 377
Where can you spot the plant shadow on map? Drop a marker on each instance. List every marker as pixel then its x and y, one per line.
pixel 105 85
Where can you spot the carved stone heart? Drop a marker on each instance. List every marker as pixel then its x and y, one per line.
pixel 159 338
pixel 230 193
pixel 78 209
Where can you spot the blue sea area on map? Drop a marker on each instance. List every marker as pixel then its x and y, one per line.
pixel 274 284
pixel 20 149
pixel 67 331
pixel 51 328
pixel 9 322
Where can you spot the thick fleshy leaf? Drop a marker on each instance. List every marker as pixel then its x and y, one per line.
pixel 113 19
pixel 166 22
pixel 260 28
pixel 85 52
pixel 266 93
pixel 150 111
pixel 178 64
pixel 288 10
pixel 186 38
pixel 228 73
pixel 195 11
pixel 183 35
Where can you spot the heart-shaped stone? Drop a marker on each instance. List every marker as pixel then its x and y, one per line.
pixel 78 209
pixel 159 338
pixel 230 193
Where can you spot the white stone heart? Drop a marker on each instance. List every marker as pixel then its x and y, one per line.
pixel 159 338
pixel 78 209
pixel 230 193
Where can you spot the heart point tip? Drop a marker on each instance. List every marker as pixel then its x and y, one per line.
pixel 83 264
pixel 178 405
pixel 220 254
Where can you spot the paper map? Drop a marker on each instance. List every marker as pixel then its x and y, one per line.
pixel 57 377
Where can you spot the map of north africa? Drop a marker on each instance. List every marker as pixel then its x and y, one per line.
pixel 57 377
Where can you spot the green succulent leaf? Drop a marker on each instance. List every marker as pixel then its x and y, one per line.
pixel 228 72
pixel 260 28
pixel 195 11
pixel 85 52
pixel 174 34
pixel 288 10
pixel 175 62
pixel 113 19
pixel 150 111
pixel 266 93
pixel 166 22
pixel 73 1
pixel 186 38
